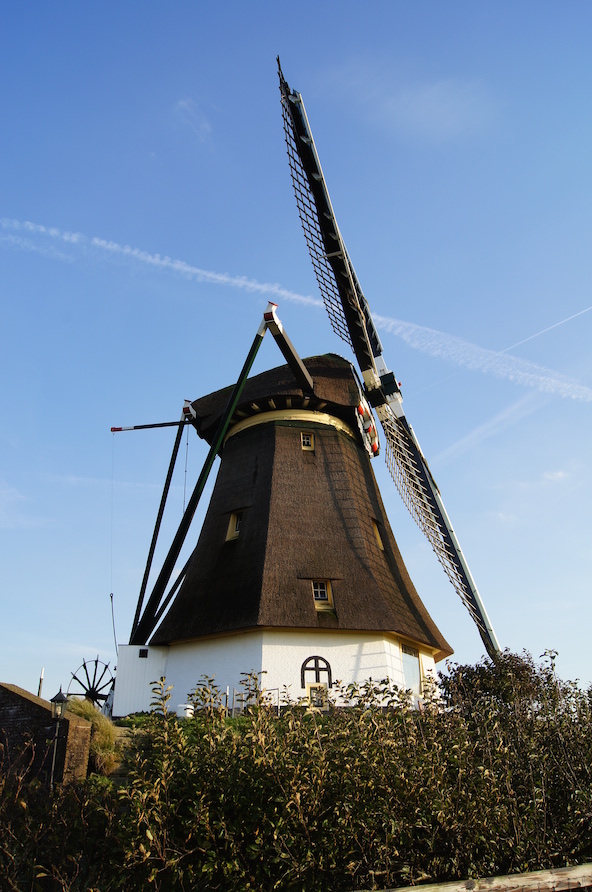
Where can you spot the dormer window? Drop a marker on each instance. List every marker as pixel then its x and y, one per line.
pixel 322 594
pixel 377 535
pixel 234 525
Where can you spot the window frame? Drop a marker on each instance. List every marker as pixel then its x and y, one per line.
pixel 310 446
pixel 319 665
pixel 410 651
pixel 322 603
pixel 315 687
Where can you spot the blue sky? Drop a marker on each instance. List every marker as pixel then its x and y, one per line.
pixel 147 217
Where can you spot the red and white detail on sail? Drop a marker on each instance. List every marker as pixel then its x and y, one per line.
pixel 367 427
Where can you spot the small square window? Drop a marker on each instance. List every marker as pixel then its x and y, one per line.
pixel 322 595
pixel 143 653
pixel 234 525
pixel 319 590
pixel 307 441
pixel 318 696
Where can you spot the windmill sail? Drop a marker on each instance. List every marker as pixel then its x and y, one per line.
pixel 351 319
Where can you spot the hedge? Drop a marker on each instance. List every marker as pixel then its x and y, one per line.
pixel 492 776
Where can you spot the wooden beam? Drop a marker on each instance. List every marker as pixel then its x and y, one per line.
pixel 558 879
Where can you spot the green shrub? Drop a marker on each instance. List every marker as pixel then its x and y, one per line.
pixel 103 756
pixel 493 776
pixel 134 722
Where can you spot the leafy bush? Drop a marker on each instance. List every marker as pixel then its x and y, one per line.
pixel 493 776
pixel 134 721
pixel 103 756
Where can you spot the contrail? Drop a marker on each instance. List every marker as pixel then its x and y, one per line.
pixel 427 340
pixel 500 364
pixel 84 243
pixel 545 330
pixel 25 244
pixel 203 275
pixel 508 416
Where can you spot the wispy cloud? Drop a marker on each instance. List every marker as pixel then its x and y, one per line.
pixel 500 364
pixel 542 481
pixel 12 515
pixel 189 113
pixel 442 110
pixel 556 476
pixel 79 650
pixel 503 517
pixel 434 109
pixel 73 482
pixel 9 495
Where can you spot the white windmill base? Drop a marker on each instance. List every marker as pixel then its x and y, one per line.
pixel 283 659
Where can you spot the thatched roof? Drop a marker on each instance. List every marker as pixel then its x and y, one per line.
pixel 335 392
pixel 305 516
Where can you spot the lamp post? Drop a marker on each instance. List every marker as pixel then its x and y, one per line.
pixel 58 708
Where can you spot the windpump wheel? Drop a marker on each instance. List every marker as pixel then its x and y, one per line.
pixel 93 681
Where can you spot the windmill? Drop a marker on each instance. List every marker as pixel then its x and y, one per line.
pixel 351 320
pixel 296 573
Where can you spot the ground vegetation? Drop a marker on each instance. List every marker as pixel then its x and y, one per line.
pixel 493 775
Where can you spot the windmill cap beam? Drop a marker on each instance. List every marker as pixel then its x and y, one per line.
pixel 288 349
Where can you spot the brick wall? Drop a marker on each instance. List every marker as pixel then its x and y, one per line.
pixel 28 734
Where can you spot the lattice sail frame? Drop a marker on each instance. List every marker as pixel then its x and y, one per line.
pixel 404 457
pixel 408 470
pixel 307 211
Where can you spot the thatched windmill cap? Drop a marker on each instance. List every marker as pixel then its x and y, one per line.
pixel 336 392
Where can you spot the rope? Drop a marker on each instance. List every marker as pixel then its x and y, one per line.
pixel 113 622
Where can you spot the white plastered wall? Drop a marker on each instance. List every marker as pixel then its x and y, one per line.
pixel 277 654
pixel 223 659
pixel 135 674
pixel 353 657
